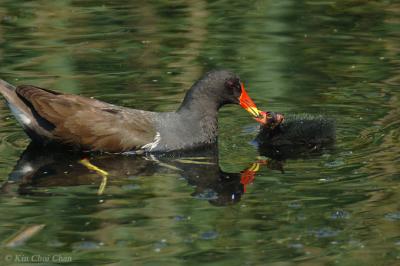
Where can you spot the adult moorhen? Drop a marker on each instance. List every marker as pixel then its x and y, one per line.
pixel 91 125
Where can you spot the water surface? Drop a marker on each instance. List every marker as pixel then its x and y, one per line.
pixel 336 58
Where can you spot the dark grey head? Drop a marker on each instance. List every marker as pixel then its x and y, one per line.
pixel 215 89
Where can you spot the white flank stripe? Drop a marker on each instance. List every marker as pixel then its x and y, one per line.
pixel 150 146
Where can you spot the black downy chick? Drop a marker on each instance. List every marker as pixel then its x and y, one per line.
pixel 294 135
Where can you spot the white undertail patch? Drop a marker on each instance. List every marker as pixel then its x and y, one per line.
pixel 150 146
pixel 22 118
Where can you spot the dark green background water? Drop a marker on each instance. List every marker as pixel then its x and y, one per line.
pixel 337 58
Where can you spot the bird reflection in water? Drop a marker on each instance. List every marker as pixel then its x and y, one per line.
pixel 44 168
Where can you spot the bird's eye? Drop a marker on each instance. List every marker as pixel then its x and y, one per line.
pixel 232 84
pixel 234 87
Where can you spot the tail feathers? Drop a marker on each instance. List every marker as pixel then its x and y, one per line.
pixel 17 106
pixel 19 109
pixel 4 84
pixel 24 113
pixel 8 91
pixel 7 85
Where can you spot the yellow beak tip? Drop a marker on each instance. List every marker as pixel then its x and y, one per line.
pixel 254 111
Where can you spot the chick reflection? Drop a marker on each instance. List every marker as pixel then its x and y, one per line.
pixel 38 168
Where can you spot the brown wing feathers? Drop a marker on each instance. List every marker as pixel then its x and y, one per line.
pixel 87 123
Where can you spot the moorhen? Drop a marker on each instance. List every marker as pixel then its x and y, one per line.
pixel 87 124
pixel 294 135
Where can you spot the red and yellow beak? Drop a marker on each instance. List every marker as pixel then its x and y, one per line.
pixel 247 103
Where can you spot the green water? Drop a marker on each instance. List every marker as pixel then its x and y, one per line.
pixel 336 58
